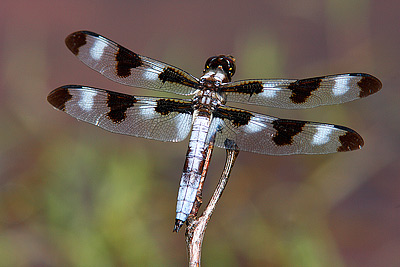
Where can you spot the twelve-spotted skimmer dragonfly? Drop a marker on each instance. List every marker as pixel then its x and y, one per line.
pixel 205 114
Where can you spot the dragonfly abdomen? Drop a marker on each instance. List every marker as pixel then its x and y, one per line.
pixel 194 163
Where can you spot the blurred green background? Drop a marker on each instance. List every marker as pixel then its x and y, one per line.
pixel 74 195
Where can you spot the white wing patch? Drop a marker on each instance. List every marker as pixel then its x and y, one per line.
pixel 253 126
pixel 216 123
pixel 97 49
pixel 268 91
pixel 321 137
pixel 181 127
pixel 150 74
pixel 86 99
pixel 341 86
pixel 148 111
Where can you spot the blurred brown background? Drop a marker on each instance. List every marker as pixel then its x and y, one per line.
pixel 72 194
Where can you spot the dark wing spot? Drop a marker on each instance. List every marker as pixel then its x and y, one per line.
pixel 175 76
pixel 166 106
pixel 119 104
pixel 59 97
pixel 74 41
pixel 350 141
pixel 302 89
pixel 126 60
pixel 237 117
pixel 286 130
pixel 249 88
pixel 369 85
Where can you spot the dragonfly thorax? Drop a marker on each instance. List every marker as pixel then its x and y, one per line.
pixel 207 99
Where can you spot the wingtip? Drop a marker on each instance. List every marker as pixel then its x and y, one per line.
pixel 59 97
pixel 369 85
pixel 75 40
pixel 350 141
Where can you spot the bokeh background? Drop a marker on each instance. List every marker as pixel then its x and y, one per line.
pixel 74 195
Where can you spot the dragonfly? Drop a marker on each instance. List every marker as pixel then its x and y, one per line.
pixel 205 114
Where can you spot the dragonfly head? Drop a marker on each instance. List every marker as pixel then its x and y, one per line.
pixel 223 63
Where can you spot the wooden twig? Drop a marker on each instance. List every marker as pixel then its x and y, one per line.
pixel 199 195
pixel 196 228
